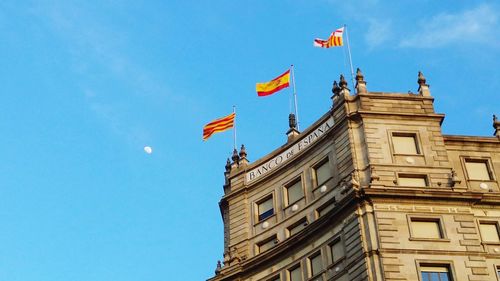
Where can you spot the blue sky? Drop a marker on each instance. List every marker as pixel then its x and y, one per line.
pixel 85 85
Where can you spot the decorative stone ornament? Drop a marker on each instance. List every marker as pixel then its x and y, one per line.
pixel 218 268
pixel 292 121
pixel 410 160
pixel 292 133
pixel 374 176
pixel 235 157
pixel 454 178
pixel 343 86
pixel 496 125
pixel 231 257
pixel 243 156
pixel 335 88
pixel 243 152
pixel 336 92
pixel 228 165
pixel 421 78
pixel 423 88
pixel 484 186
pixel 359 75
pixel 354 181
pixel 360 82
pixel 342 83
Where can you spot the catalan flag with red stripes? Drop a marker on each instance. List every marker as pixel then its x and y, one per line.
pixel 334 40
pixel 218 125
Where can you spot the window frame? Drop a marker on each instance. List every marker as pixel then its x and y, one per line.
pixel 292 268
pixel 330 248
pixel 425 177
pixel 433 263
pixel 313 274
pixel 276 277
pixel 260 202
pixel 273 239
pixel 288 185
pixel 426 218
pixel 497 227
pixel 316 166
pixel 327 207
pixel 485 160
pixel 411 134
pixel 304 222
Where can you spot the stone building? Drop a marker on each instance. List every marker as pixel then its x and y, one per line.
pixel 371 191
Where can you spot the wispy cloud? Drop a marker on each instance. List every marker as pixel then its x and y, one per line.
pixel 96 53
pixel 471 26
pixel 379 32
pixel 89 39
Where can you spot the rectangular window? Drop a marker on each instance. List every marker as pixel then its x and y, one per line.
pixel 412 180
pixel 265 208
pixel 489 232
pixel 404 143
pixel 477 169
pixel 337 250
pixel 295 273
pixel 266 244
pixel 297 227
pixel 498 271
pixel 322 172
pixel 435 273
pixel 321 211
pixel 426 228
pixel 316 264
pixel 294 192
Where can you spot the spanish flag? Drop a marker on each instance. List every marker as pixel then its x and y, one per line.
pixel 218 125
pixel 271 87
pixel 334 40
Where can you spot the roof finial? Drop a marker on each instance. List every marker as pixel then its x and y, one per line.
pixel 421 79
pixel 343 86
pixel 243 156
pixel 360 82
pixel 218 268
pixel 359 75
pixel 236 158
pixel 342 83
pixel 228 165
pixel 292 121
pixel 496 125
pixel 423 88
pixel 243 152
pixel 335 88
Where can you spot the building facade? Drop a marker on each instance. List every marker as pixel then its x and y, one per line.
pixel 371 191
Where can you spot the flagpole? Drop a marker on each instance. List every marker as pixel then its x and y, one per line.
pixel 295 98
pixel 234 127
pixel 349 52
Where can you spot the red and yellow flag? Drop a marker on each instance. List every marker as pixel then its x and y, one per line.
pixel 334 40
pixel 218 125
pixel 271 87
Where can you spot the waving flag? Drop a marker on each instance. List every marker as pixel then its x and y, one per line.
pixel 334 40
pixel 218 125
pixel 271 87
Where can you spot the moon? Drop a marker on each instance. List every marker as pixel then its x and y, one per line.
pixel 148 149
